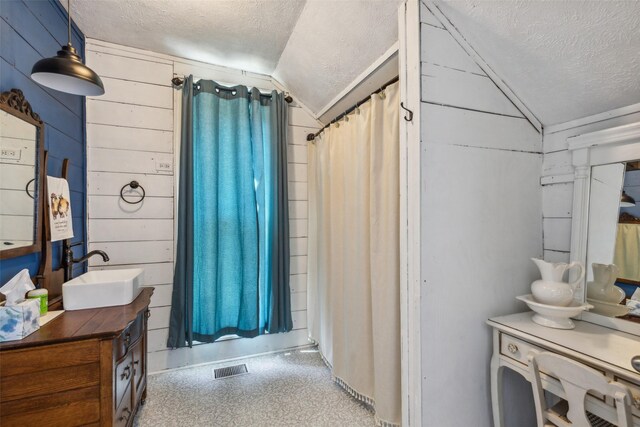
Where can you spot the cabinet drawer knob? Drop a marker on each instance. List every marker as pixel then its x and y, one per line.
pixel 636 402
pixel 513 349
pixel 635 362
pixel 127 339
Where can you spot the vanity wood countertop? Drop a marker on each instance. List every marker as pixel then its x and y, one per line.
pixel 77 325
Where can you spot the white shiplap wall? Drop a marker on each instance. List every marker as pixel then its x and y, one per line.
pixel 557 177
pixel 481 222
pixel 131 134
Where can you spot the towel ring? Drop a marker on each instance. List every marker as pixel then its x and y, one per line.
pixel 133 185
pixel 26 188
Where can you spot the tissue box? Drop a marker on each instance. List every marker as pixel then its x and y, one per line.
pixel 18 321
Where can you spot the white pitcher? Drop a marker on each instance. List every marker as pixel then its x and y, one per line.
pixel 551 289
pixel 602 288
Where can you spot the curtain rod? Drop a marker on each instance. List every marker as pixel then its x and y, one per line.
pixel 177 82
pixel 312 136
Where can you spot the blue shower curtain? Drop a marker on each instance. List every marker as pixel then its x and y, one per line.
pixel 232 260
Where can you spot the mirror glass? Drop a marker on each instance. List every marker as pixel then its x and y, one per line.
pixel 18 182
pixel 613 242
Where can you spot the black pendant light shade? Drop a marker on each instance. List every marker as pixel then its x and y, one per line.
pixel 66 72
pixel 626 201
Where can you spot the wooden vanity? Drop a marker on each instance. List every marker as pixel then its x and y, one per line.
pixel 85 367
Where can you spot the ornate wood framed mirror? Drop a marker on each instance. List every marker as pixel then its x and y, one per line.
pixel 21 176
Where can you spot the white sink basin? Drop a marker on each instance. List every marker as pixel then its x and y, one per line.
pixel 102 288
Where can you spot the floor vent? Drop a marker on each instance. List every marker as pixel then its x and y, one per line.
pixel 230 371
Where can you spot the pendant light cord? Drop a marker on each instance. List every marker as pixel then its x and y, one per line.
pixel 69 21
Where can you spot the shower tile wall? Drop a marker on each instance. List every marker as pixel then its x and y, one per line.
pixel 130 136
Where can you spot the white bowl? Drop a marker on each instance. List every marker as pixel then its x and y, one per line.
pixel 553 316
pixel 608 309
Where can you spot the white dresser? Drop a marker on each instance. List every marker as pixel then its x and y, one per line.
pixel 606 350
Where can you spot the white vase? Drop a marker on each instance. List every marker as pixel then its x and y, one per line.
pixel 602 287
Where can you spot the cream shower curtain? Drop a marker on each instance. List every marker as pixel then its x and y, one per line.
pixel 354 268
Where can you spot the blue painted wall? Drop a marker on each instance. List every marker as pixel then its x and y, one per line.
pixel 29 31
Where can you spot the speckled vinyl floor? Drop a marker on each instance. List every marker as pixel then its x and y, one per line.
pixel 283 389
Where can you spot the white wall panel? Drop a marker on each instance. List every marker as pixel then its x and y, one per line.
pixel 557 201
pixel 461 89
pixel 298 246
pixel 127 230
pixel 557 234
pixel 557 256
pixel 298 301
pixel 120 67
pixel 557 163
pixel 478 152
pixel 122 253
pixel 127 138
pixel 298 283
pixel 298 265
pixel 159 318
pixel 440 48
pixel 299 117
pixel 297 172
pixel 479 130
pixel 107 160
pixel 161 296
pixel 298 228
pixel 297 153
pixel 157 340
pixel 137 93
pixel 298 209
pixel 112 207
pixel 110 184
pixel 299 319
pixel 298 191
pixel 129 115
pixel 297 135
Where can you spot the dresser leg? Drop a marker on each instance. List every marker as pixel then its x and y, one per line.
pixel 496 391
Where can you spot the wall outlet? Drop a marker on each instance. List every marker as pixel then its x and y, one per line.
pixel 164 166
pixel 10 154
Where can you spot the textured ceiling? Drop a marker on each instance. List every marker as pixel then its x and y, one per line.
pixel 315 47
pixel 245 34
pixel 564 59
pixel 332 43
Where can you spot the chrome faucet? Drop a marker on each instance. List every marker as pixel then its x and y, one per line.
pixel 68 260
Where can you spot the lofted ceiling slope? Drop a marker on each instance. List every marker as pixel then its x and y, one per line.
pixel 564 59
pixel 316 48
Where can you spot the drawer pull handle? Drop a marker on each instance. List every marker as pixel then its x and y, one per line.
pixel 123 417
pixel 636 402
pixel 513 349
pixel 126 373
pixel 127 339
pixel 635 362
